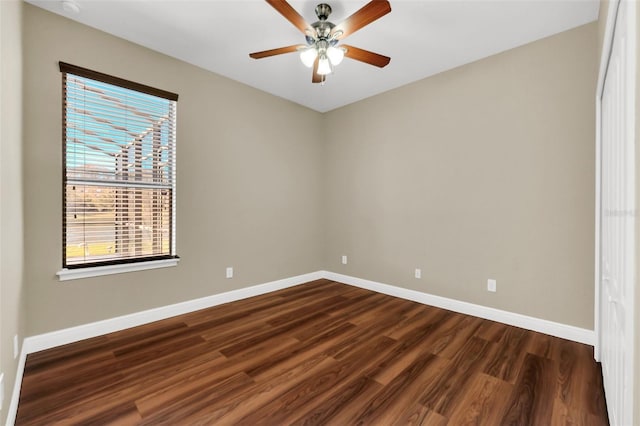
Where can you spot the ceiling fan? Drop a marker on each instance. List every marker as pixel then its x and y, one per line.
pixel 322 50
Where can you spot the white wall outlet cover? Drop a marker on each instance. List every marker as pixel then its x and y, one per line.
pixel 229 272
pixel 418 273
pixel 491 285
pixel 344 260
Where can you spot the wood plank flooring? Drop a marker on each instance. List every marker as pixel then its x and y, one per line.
pixel 318 353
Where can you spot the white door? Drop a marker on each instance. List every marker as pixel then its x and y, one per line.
pixel 618 216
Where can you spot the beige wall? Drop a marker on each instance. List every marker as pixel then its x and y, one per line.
pixel 12 298
pixel 485 171
pixel 248 180
pixel 482 172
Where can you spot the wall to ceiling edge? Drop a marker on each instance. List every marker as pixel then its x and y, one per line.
pixel 485 171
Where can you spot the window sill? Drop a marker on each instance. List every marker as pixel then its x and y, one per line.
pixel 96 271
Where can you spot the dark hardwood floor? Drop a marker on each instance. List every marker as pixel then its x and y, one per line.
pixel 318 353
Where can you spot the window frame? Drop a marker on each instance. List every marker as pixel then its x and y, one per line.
pixel 112 266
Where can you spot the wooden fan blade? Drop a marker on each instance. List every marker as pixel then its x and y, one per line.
pixel 316 78
pixel 373 10
pixel 273 52
pixel 366 56
pixel 290 14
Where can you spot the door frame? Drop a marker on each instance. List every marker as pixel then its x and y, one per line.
pixel 631 63
pixel 607 46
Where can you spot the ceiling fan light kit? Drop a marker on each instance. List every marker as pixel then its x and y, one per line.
pixel 322 52
pixel 308 56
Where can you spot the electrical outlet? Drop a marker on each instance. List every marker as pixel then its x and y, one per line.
pixel 418 273
pixel 229 272
pixel 491 285
pixel 16 348
pixel 344 260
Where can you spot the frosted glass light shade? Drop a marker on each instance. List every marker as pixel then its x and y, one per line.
pixel 308 56
pixel 324 67
pixel 335 55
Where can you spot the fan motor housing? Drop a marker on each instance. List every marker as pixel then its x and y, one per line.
pixel 323 27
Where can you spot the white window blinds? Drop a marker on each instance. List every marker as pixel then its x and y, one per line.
pixel 119 170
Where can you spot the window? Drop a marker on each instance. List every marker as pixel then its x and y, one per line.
pixel 119 179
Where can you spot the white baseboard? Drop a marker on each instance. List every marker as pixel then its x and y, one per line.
pixel 563 331
pixel 86 331
pixel 69 335
pixel 17 385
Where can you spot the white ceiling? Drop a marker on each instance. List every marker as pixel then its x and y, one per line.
pixel 421 37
